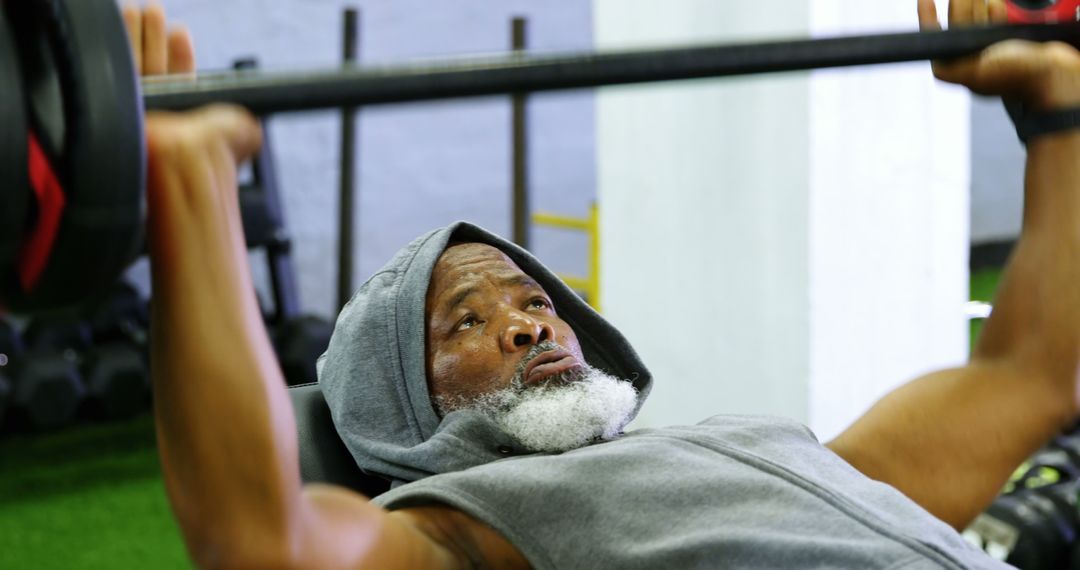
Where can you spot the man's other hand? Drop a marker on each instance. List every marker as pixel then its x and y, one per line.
pixel 1044 75
pixel 158 48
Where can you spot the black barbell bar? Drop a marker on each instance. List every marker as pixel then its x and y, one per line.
pixel 266 92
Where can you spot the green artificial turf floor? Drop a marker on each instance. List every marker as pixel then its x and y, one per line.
pixel 91 496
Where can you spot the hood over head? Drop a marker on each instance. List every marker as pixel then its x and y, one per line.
pixel 374 374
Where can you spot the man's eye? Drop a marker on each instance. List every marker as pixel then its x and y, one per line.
pixel 467 323
pixel 539 303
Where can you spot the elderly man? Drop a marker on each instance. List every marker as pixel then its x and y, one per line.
pixel 495 399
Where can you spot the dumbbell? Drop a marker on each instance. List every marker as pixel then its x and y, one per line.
pixel 113 372
pixel 5 395
pixel 1033 529
pixel 1055 463
pixel 6 342
pixel 299 342
pixel 115 368
pixel 117 383
pixel 1035 523
pixel 58 331
pixel 123 315
pixel 46 388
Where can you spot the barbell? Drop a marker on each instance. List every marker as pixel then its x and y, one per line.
pixel 71 112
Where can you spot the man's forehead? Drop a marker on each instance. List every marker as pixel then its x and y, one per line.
pixel 457 253
pixel 464 259
pixel 461 264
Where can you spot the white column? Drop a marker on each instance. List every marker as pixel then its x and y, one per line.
pixel 785 244
pixel 889 211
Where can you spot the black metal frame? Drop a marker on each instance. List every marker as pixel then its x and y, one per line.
pixel 519 144
pixel 347 193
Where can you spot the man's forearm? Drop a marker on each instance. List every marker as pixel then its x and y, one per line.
pixel 225 427
pixel 1036 318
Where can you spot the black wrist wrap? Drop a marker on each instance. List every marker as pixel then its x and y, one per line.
pixel 1031 124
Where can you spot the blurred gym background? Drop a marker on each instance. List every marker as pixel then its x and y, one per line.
pixel 793 245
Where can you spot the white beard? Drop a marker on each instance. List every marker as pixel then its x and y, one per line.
pixel 564 413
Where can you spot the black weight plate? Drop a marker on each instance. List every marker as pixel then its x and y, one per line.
pixel 14 185
pixel 103 160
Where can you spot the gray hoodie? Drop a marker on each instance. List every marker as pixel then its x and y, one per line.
pixel 374 375
pixel 732 491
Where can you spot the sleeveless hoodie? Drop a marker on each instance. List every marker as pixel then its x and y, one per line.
pixel 729 492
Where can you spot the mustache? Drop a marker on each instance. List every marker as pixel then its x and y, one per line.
pixel 518 380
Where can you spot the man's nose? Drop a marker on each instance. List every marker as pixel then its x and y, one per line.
pixel 523 331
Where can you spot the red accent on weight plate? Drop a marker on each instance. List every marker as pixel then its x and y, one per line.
pixel 34 255
pixel 1058 11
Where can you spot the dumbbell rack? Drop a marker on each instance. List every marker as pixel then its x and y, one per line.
pixel 264 228
pixel 264 225
pixel 298 338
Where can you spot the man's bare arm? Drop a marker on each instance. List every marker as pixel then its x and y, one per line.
pixel 226 431
pixel 951 439
pixel 225 424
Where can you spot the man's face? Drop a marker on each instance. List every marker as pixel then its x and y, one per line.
pixel 484 315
